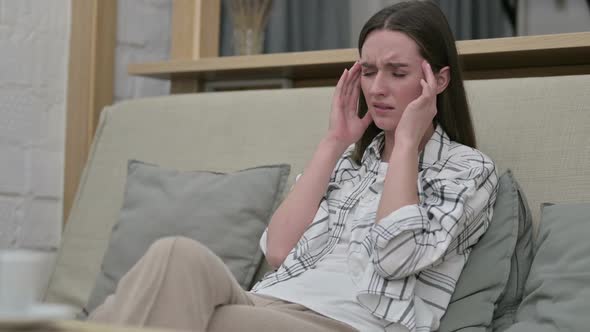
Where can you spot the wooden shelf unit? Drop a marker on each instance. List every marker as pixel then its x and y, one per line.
pixel 542 55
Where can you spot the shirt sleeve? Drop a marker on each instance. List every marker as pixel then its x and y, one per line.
pixel 452 215
pixel 264 236
pixel 263 241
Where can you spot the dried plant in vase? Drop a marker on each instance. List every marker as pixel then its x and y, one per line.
pixel 249 20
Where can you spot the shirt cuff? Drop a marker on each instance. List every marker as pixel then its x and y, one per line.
pixel 406 218
pixel 263 241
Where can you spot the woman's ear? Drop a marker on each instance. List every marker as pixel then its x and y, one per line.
pixel 443 78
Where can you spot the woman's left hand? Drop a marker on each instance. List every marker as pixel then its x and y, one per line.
pixel 418 115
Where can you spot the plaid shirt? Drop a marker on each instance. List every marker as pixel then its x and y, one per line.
pixel 406 265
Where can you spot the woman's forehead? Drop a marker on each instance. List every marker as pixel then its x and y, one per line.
pixel 385 46
pixel 392 59
pixel 392 56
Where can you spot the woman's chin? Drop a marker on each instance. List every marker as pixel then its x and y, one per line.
pixel 385 124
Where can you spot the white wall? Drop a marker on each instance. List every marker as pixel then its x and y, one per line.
pixel 34 47
pixel 34 42
pixel 143 35
pixel 539 17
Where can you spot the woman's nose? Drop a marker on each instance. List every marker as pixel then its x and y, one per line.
pixel 378 86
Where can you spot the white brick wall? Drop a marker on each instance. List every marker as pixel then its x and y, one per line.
pixel 34 42
pixel 33 78
pixel 143 35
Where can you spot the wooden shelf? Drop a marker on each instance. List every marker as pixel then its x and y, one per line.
pixel 555 54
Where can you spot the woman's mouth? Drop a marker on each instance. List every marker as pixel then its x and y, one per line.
pixel 382 108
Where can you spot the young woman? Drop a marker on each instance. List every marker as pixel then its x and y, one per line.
pixel 374 234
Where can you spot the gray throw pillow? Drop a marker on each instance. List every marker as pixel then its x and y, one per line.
pixel 226 212
pixel 520 264
pixel 557 291
pixel 487 274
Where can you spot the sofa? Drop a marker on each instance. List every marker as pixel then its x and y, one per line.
pixel 536 129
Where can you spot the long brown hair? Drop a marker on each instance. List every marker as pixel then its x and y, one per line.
pixel 424 22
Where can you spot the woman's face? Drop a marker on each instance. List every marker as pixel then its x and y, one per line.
pixel 391 73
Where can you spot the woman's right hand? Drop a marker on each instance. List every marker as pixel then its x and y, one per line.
pixel 346 127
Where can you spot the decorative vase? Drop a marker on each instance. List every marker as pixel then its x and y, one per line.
pixel 249 21
pixel 247 41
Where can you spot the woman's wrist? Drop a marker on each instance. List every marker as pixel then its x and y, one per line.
pixel 404 149
pixel 333 145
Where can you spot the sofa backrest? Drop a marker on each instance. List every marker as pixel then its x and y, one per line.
pixel 538 127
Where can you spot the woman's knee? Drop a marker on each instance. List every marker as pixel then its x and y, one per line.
pixel 185 250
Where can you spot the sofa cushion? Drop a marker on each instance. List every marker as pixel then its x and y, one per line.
pixel 225 212
pixel 487 274
pixel 557 291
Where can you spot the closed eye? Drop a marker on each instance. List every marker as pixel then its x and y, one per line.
pixel 368 73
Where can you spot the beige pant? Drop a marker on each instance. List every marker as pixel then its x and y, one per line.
pixel 181 284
